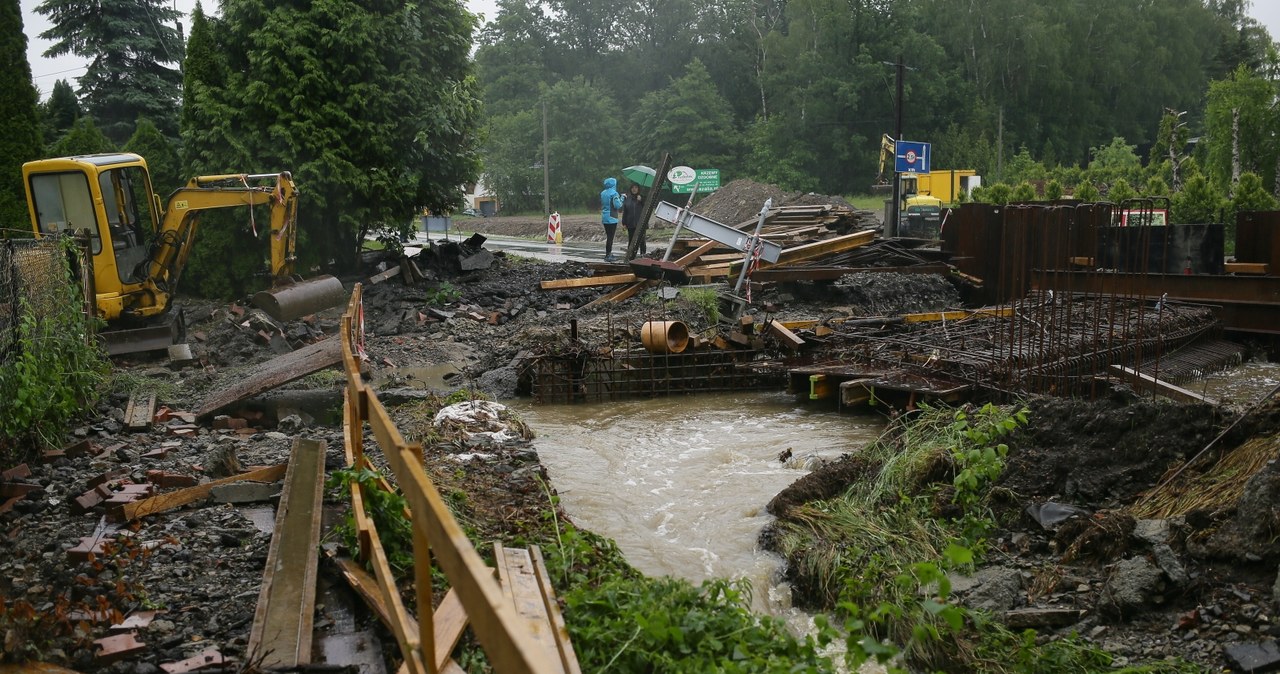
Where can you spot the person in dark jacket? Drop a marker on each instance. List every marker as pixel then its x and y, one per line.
pixel 610 204
pixel 632 208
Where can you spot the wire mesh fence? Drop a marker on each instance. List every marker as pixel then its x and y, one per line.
pixel 36 278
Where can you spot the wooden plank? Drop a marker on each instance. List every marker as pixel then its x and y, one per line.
pixel 819 387
pixel 140 411
pixel 276 372
pixel 520 582
pixel 382 276
pixel 589 281
pixel 620 294
pixel 560 631
pixel 693 255
pixel 177 499
pixel 367 587
pixel 284 617
pixel 449 622
pixel 788 338
pixel 1080 261
pixel 829 273
pixel 927 317
pixel 1148 383
pixel 1261 268
pixel 817 249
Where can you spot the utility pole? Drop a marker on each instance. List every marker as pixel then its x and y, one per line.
pixel 546 167
pixel 891 227
pixel 1000 147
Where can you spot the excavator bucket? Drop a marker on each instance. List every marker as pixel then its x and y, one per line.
pixel 288 302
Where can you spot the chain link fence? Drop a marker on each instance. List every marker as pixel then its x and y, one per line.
pixel 36 278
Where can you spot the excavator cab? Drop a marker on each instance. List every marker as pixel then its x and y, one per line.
pixel 108 199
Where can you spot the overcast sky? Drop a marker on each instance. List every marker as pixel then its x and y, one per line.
pixel 48 71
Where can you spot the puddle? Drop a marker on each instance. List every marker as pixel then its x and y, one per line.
pixel 430 377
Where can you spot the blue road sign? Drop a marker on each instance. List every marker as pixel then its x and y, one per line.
pixel 911 157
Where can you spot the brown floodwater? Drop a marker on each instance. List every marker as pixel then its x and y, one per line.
pixel 681 483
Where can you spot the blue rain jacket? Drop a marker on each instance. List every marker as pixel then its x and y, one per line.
pixel 610 202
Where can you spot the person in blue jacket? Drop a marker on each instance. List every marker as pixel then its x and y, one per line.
pixel 610 209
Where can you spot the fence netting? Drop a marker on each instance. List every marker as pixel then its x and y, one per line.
pixel 35 277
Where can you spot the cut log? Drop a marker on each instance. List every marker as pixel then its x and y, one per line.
pixel 177 499
pixel 276 372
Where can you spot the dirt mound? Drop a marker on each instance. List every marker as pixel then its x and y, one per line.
pixel 1097 452
pixel 740 201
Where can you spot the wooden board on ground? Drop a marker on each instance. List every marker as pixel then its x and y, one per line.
pixel 140 411
pixel 523 585
pixel 589 281
pixel 200 492
pixel 282 622
pixel 276 372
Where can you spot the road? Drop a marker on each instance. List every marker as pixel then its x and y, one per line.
pixel 578 251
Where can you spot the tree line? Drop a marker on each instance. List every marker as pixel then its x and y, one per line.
pixel 798 92
pixel 382 108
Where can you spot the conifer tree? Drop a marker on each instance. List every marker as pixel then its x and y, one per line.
pixel 20 141
pixel 133 49
pixel 84 137
pixel 162 157
pixel 60 111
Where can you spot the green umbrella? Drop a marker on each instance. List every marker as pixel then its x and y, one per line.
pixel 639 174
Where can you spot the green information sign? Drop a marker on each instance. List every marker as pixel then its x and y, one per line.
pixel 708 181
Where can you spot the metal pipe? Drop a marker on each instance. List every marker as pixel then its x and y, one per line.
pixel 751 243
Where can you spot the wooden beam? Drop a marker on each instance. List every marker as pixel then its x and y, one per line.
pixel 931 316
pixel 788 338
pixel 620 294
pixel 283 619
pixel 177 499
pixel 560 631
pixel 1260 268
pixel 1164 388
pixel 276 372
pixel 382 276
pixel 693 255
pixel 589 281
pixel 1080 261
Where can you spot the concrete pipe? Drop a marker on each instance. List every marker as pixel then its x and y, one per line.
pixel 300 299
pixel 665 336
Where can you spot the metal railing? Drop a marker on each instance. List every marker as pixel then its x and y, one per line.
pixel 494 621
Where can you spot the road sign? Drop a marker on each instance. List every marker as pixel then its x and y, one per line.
pixel 707 180
pixel 911 157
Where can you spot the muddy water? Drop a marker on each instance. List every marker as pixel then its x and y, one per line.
pixel 1241 385
pixel 681 483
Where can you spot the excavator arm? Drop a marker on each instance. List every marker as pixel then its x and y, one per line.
pixel 177 232
pixel 882 184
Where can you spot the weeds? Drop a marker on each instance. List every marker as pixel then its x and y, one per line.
pixel 385 508
pixel 443 294
pixel 706 299
pixel 55 371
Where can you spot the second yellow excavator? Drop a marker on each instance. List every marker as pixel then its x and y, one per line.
pixel 139 248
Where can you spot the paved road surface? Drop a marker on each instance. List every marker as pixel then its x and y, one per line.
pixel 579 251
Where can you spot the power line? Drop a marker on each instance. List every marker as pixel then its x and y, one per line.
pixel 60 72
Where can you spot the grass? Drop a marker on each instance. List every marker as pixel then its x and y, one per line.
pixel 129 382
pixel 880 552
pixel 870 202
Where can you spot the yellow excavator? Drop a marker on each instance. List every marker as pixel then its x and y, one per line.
pixel 139 248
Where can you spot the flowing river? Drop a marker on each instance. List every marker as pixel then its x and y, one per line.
pixel 681 483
